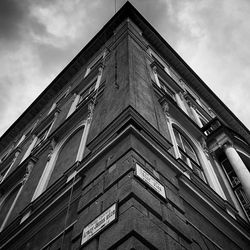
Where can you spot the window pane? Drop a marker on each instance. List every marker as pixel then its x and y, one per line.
pixel 166 88
pixel 6 205
pixel 88 91
pixel 198 171
pixel 66 156
pixel 178 139
pixel 184 157
pixel 188 154
pixel 95 63
pixel 189 150
pixel 42 136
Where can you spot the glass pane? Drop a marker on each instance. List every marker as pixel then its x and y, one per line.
pixel 166 89
pixel 189 150
pixel 178 140
pixel 97 62
pixel 198 172
pixel 184 157
pixel 85 94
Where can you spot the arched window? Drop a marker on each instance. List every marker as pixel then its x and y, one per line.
pixel 67 155
pixel 62 158
pixel 188 154
pixel 6 205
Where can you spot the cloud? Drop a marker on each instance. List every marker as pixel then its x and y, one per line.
pixel 12 13
pixel 38 38
pixel 214 41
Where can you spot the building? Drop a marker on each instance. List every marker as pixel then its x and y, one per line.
pixel 126 149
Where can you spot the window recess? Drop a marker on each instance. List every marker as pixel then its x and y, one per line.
pixel 164 81
pixel 11 189
pixel 5 155
pixel 160 62
pixel 87 92
pixel 25 136
pixel 162 65
pixel 166 88
pixel 59 101
pixel 42 136
pixel 95 64
pixel 200 106
pixel 199 114
pixel 4 173
pixel 87 89
pixel 166 68
pixel 7 165
pixel 8 156
pixel 188 155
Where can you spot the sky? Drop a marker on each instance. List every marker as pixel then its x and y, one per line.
pixel 38 38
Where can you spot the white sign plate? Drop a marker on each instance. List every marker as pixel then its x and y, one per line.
pixel 99 223
pixel 150 181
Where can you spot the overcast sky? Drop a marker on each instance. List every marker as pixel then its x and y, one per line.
pixel 38 38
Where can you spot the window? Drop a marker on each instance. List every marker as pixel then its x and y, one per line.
pixel 89 90
pixel 25 136
pixel 236 186
pixel 95 62
pixel 188 154
pixel 85 94
pixel 67 155
pixel 157 59
pixel 43 135
pixel 202 118
pixel 62 158
pixel 164 86
pixel 6 170
pixel 59 100
pixel 3 173
pixel 7 204
pixel 6 154
pixel 200 115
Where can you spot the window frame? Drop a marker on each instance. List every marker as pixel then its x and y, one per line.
pixel 92 64
pixel 160 61
pixel 166 87
pixel 17 187
pixel 193 164
pixel 49 167
pixel 59 99
pixel 46 130
pixel 5 155
pixel 86 92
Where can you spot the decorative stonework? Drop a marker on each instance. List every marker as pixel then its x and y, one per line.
pixel 165 108
pixel 155 69
pixel 27 173
pixel 90 111
pixel 227 145
pixel 204 146
pixel 52 147
pixel 100 70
